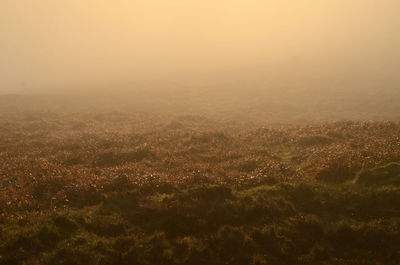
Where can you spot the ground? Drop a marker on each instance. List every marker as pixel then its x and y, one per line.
pixel 140 188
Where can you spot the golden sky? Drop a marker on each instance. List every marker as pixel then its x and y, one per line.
pixel 48 44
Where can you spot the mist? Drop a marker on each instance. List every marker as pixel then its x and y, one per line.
pixel 200 132
pixel 90 46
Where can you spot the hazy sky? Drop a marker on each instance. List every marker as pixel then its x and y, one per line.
pixel 73 44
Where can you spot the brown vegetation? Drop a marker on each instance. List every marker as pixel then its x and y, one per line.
pixel 151 189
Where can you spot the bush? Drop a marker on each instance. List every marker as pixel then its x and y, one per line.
pixel 386 175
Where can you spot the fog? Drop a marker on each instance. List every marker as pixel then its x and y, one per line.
pixel 327 46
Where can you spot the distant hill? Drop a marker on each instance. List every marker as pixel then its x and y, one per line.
pixel 296 105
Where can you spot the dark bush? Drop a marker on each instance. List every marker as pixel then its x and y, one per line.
pixel 110 158
pixel 386 175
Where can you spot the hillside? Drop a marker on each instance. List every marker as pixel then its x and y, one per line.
pixel 123 188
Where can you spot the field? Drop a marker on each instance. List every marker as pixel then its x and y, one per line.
pixel 138 188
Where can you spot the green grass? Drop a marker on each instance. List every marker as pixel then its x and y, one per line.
pixel 295 222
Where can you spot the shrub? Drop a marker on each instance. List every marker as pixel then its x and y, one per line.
pixel 386 175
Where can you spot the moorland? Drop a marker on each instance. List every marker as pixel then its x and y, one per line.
pixel 140 188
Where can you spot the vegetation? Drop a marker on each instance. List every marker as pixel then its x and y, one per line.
pixel 120 188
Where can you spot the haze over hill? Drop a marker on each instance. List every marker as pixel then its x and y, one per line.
pixel 200 132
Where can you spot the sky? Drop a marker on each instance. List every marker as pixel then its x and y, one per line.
pixel 72 45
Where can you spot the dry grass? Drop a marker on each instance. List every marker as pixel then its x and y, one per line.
pixel 152 189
